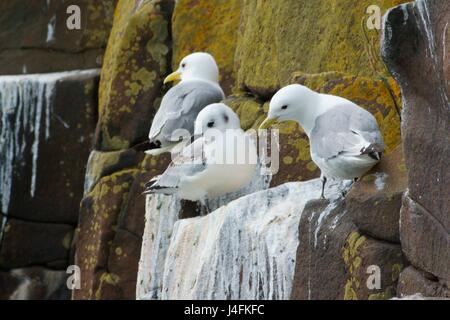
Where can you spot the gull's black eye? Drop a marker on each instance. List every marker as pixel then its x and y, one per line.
pixel 284 107
pixel 210 124
pixel 183 65
pixel 225 118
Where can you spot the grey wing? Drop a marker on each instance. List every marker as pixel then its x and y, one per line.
pixel 365 124
pixel 180 107
pixel 345 129
pixel 188 163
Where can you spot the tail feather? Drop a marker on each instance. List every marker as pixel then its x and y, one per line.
pixel 374 150
pixel 153 187
pixel 147 145
pixel 160 190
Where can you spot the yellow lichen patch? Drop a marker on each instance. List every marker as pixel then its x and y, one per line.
pixel 279 37
pixel 108 278
pixel 353 261
pixel 118 251
pixel 385 295
pixel 210 26
pixel 134 64
pixel 311 166
pixel 67 240
pixel 99 16
pixel 396 269
pixel 88 87
pixel 249 110
pixel 349 292
pixel 288 160
pixel 99 222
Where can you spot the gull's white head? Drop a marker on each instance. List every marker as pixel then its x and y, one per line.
pixel 198 65
pixel 216 116
pixel 292 102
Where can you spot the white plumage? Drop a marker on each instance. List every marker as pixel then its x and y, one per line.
pixel 180 106
pixel 345 139
pixel 222 160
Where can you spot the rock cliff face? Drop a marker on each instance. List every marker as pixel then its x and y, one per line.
pixel 345 236
pixel 388 237
pixel 34 37
pixel 111 223
pixel 417 35
pixel 46 133
pixel 243 250
pixel 48 110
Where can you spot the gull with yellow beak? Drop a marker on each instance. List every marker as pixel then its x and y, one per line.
pixel 345 140
pixel 198 87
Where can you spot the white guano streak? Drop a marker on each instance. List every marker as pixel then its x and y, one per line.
pixel 25 106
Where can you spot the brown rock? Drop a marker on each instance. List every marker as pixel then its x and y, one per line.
pixel 211 26
pixel 60 157
pixel 280 37
pixel 368 261
pixel 34 284
pixel 333 258
pixel 123 261
pixel 374 202
pixel 136 61
pixel 34 36
pixel 96 231
pixel 425 242
pixel 132 219
pixel 415 53
pixel 111 226
pixel 320 271
pixel 29 244
pixel 413 281
pixel 101 164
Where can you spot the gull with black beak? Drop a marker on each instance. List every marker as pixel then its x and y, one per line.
pixel 221 160
pixel 199 86
pixel 345 140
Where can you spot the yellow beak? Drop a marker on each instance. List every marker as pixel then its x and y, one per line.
pixel 268 123
pixel 174 76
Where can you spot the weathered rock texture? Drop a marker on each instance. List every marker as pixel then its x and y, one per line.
pixel 210 26
pixel 45 118
pixel 48 117
pixel 111 223
pixel 340 240
pixel 375 201
pixel 47 127
pixel 243 250
pixel 162 212
pixel 33 284
pixel 416 45
pixel 281 37
pixel 333 246
pixel 136 61
pixel 34 37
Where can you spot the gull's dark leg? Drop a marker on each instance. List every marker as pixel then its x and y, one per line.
pixel 324 181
